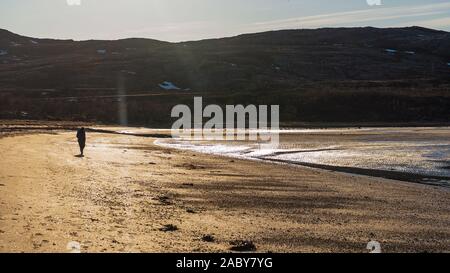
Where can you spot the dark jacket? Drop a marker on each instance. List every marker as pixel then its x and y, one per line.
pixel 81 135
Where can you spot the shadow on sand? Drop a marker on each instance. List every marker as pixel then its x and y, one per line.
pixel 79 156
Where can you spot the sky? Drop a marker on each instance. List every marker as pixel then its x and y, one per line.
pixel 182 20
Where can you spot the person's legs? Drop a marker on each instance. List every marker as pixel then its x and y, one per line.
pixel 81 147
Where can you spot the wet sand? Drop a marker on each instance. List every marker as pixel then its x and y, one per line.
pixel 412 154
pixel 121 195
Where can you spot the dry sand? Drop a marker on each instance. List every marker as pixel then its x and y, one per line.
pixel 118 197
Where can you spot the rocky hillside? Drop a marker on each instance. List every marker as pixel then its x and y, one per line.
pixel 298 69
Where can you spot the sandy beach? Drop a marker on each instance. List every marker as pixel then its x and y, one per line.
pixel 129 195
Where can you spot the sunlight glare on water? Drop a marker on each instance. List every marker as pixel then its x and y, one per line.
pixel 422 151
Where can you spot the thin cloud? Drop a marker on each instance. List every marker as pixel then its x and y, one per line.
pixel 350 18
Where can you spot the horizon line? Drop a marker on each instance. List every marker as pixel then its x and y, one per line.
pixel 220 37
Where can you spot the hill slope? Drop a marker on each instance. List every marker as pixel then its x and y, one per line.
pixel 271 65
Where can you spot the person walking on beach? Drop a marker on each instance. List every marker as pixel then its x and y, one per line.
pixel 81 136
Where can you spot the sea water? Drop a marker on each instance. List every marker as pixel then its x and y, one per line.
pixel 422 151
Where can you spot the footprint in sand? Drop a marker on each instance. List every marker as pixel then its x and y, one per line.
pixel 208 238
pixel 165 200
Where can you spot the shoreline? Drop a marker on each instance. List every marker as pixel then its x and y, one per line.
pixel 420 179
pixel 429 180
pixel 392 175
pixel 283 125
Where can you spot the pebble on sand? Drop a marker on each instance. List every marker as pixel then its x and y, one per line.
pixel 169 227
pixel 240 245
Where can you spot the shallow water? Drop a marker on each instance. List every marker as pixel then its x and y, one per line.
pixel 420 151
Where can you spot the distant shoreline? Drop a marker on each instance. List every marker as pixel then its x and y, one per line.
pixel 22 124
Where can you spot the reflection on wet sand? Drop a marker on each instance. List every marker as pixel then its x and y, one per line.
pixel 409 154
